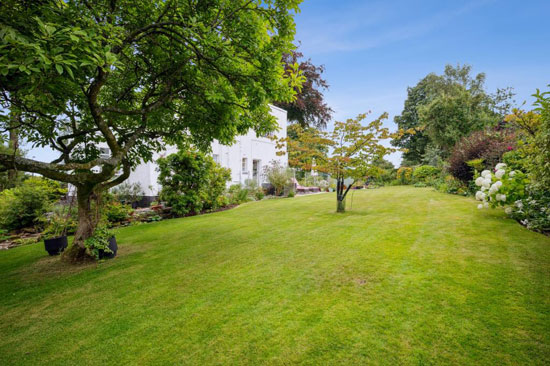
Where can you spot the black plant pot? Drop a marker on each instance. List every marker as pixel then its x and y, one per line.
pixel 112 246
pixel 55 246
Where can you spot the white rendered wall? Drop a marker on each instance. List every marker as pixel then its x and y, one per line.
pixel 249 146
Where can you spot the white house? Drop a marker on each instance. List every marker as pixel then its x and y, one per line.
pixel 246 158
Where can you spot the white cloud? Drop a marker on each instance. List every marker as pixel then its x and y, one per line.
pixel 369 27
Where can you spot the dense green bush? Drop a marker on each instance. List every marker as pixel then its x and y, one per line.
pixel 533 157
pixel 450 184
pixel 237 194
pixel 191 182
pixel 255 192
pixel 534 211
pixel 425 173
pixel 22 206
pixel 116 212
pixel 404 175
pixel 99 241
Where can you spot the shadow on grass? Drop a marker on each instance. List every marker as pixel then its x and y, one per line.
pixel 53 267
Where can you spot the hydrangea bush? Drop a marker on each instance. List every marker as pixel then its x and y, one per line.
pixel 533 211
pixel 502 187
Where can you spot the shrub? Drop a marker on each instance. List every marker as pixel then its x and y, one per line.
pixel 510 188
pixel 489 146
pixel 255 192
pixel 191 181
pixel 404 175
pixel 116 212
pixel 128 193
pixel 22 206
pixel 277 175
pixel 533 211
pixel 237 194
pixel 99 241
pixel 425 173
pixel 534 146
pixel 501 188
pixel 450 184
pixel 62 220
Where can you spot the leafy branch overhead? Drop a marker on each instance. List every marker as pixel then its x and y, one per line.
pixel 130 77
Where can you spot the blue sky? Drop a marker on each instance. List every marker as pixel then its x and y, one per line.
pixel 373 50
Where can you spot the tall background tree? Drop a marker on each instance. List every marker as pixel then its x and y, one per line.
pixel 133 76
pixel 445 108
pixel 309 108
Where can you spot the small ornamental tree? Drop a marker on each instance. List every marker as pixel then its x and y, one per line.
pixel 133 76
pixel 350 150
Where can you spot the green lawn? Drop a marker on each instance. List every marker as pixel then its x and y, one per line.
pixel 407 276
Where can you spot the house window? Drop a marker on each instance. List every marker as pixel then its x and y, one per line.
pixel 104 152
pixel 245 165
pixel 216 158
pixel 256 170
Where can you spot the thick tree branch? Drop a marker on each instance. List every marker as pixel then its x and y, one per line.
pixel 46 169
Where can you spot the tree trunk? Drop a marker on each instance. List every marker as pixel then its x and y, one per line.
pixel 340 204
pixel 340 197
pixel 341 193
pixel 86 226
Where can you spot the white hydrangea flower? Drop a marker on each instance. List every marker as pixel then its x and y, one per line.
pixel 508 210
pixel 480 206
pixel 483 188
pixel 501 197
pixel 500 173
pixel 485 204
pixel 500 166
pixel 512 173
pixel 493 189
pixel 479 181
pixel 480 196
pixel 498 183
pixel 485 173
pixel 519 204
pixel 486 182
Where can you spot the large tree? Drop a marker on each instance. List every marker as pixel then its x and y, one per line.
pixel 309 108
pixel 133 76
pixel 445 108
pixel 351 150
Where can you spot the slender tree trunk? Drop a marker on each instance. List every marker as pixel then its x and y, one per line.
pixel 341 193
pixel 86 226
pixel 340 198
pixel 341 204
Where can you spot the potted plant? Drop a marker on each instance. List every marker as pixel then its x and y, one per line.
pixel 102 244
pixel 55 236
